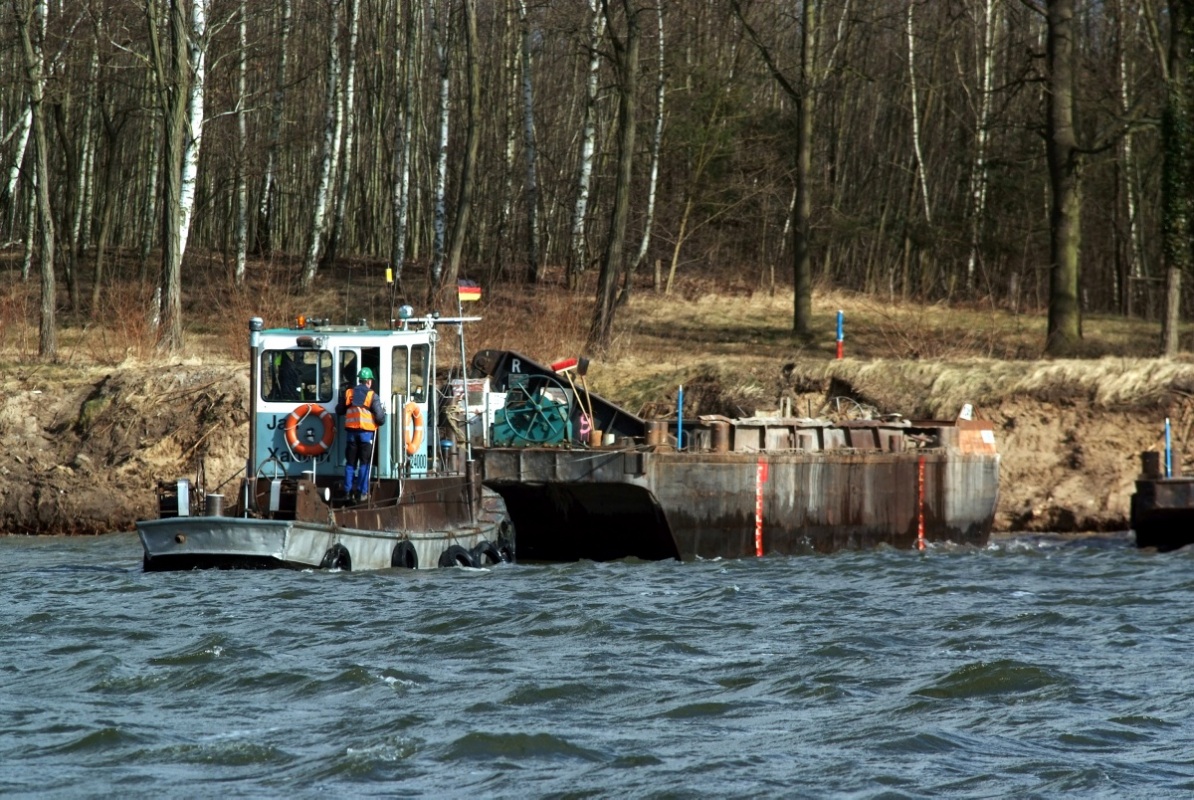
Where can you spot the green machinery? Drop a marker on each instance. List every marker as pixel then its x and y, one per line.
pixel 538 411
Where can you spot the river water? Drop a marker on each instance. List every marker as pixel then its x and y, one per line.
pixel 1034 667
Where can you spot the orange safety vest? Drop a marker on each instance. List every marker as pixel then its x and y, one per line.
pixel 359 417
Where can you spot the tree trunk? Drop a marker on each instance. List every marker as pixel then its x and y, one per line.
pixel 802 270
pixel 656 146
pixel 265 204
pixel 1065 316
pixel 588 139
pixel 1177 187
pixel 402 146
pixel 531 150
pixel 348 137
pixel 626 64
pixel 979 169
pixel 242 135
pixel 440 28
pixel 464 202
pixel 32 24
pixel 322 202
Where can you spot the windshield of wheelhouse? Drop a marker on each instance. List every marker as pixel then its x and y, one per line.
pixel 296 376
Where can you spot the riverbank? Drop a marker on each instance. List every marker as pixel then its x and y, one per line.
pixel 86 447
pixel 87 439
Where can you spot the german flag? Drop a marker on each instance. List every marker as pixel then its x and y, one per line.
pixel 468 291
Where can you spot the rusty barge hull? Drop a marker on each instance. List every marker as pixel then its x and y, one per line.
pixel 610 503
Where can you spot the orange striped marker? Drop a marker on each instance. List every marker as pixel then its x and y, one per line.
pixel 760 479
pixel 920 503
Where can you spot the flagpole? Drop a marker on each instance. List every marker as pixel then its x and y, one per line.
pixel 468 439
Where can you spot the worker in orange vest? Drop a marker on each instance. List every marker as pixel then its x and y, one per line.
pixel 363 413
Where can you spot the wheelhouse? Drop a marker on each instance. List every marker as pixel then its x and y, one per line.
pixel 300 373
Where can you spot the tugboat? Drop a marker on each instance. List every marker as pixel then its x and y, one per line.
pixel 425 506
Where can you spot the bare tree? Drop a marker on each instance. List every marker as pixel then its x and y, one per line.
pixel 265 204
pixel 468 169
pixel 530 149
pixel 441 34
pixel 588 139
pixel 1178 191
pixel 31 21
pixel 626 59
pixel 332 120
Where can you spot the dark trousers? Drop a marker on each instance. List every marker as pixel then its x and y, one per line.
pixel 358 457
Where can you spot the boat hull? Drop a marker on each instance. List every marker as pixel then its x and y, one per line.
pixel 183 543
pixel 1162 514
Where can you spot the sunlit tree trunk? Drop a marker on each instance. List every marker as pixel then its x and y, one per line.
pixel 979 169
pixel 577 263
pixel 348 133
pixel 656 146
pixel 404 71
pixel 439 27
pixel 20 135
pixel 242 136
pixel 31 20
pixel 265 204
pixel 328 157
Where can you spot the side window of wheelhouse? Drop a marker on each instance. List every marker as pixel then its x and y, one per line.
pixel 400 372
pixel 419 362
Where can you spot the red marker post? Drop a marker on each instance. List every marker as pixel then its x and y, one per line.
pixel 760 479
pixel 920 503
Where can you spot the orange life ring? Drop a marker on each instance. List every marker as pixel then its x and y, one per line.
pixel 309 449
pixel 412 427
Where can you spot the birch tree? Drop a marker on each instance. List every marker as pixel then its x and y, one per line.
pixel 577 263
pixel 330 153
pixel 347 135
pixel 265 202
pixel 242 136
pixel 656 146
pixel 31 22
pixel 180 75
pixel 979 170
pixel 530 149
pixel 440 34
pixel 404 74
pixel 468 169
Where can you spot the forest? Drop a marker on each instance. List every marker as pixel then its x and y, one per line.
pixel 1027 154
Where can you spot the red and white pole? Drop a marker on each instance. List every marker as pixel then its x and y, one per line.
pixel 760 479
pixel 920 503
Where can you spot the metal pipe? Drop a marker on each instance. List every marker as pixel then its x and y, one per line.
pixel 255 326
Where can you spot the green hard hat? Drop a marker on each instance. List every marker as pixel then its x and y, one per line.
pixel 365 374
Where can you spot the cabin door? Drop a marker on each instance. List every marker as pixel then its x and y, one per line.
pixel 351 360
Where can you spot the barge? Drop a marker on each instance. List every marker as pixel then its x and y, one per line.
pixel 585 479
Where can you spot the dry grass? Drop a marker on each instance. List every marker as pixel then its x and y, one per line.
pixel 727 344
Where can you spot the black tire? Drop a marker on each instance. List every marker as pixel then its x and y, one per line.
pixel 337 558
pixel 456 556
pixel 486 553
pixel 404 556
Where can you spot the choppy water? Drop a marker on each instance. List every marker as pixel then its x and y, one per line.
pixel 1035 667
